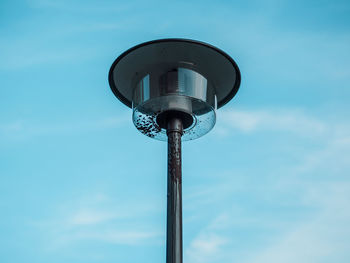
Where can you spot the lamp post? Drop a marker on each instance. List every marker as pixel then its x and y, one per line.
pixel 174 87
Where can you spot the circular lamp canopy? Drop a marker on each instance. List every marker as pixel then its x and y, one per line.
pixel 166 77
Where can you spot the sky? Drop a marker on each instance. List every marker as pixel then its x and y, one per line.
pixel 270 183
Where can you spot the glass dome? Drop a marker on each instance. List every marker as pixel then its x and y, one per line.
pixel 179 91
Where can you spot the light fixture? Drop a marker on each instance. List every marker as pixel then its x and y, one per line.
pixel 174 87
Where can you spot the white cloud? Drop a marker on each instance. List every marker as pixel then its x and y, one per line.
pixel 323 238
pixel 25 128
pixel 90 217
pixel 286 120
pixel 120 236
pixel 208 245
pixel 205 248
pixel 332 159
pixel 89 6
pixel 314 191
pixel 112 236
pixel 320 235
pixel 97 219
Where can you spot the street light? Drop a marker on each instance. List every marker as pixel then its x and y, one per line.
pixel 174 87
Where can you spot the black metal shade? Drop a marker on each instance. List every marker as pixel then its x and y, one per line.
pixel 166 54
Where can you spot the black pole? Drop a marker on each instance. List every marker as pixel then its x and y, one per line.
pixel 174 199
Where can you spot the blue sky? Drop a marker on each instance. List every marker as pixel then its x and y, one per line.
pixel 270 183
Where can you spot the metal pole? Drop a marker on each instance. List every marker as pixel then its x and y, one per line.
pixel 174 199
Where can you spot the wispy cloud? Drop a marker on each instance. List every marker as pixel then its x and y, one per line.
pixel 205 248
pixel 323 238
pixel 21 129
pixel 307 216
pixel 17 57
pixel 97 218
pixel 333 158
pixel 208 245
pixel 248 121
pixel 90 217
pixel 320 236
pixel 105 6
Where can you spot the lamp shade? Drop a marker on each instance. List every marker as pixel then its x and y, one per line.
pixel 188 78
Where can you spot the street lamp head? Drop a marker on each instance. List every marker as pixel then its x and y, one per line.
pixel 174 87
pixel 174 78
